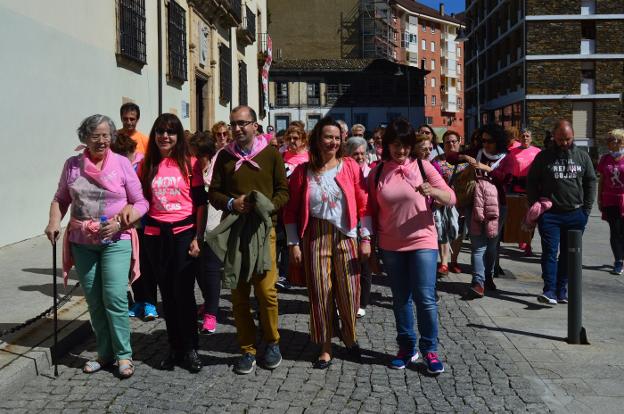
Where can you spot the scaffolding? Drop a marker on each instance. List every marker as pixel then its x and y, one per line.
pixel 379 36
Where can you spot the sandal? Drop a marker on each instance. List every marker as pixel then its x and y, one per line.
pixel 91 367
pixel 126 369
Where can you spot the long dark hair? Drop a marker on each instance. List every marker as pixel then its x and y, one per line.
pixel 316 160
pixel 497 133
pixel 180 152
pixel 399 130
pixel 434 136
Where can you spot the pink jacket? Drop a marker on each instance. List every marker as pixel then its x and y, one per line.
pixel 350 181
pixel 485 210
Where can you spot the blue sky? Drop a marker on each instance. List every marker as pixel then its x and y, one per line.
pixel 451 6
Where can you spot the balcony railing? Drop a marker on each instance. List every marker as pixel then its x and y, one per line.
pixel 281 101
pixel 247 31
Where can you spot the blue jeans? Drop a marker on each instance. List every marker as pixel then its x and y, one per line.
pixel 553 229
pixel 413 280
pixel 484 251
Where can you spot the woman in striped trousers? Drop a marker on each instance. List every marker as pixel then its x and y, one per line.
pixel 327 198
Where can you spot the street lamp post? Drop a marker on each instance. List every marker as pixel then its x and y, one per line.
pixel 399 72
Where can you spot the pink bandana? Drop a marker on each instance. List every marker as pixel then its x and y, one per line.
pixel 258 145
pixel 108 176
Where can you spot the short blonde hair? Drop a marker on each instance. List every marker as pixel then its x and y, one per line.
pixel 618 135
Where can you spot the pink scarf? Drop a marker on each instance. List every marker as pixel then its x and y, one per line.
pixel 258 145
pixel 91 228
pixel 106 177
pixel 294 159
pixel 404 170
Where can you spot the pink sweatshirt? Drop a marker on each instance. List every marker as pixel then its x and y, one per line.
pixel 106 195
pixel 403 217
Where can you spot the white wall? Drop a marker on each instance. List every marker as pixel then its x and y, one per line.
pixel 59 66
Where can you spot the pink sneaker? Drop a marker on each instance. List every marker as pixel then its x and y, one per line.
pixel 210 324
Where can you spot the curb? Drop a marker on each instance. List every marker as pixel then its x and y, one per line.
pixel 28 353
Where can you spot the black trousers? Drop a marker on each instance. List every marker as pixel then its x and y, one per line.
pixel 144 289
pixel 168 258
pixel 366 279
pixel 209 279
pixel 616 227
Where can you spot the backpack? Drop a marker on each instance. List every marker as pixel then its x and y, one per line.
pixel 464 185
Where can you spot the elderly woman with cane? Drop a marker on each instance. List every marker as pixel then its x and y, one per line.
pixel 105 196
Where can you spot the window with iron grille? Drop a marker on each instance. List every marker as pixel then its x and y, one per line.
pixel 314 93
pixel 281 92
pixel 132 29
pixel 242 83
pixel 225 74
pixel 335 91
pixel 176 34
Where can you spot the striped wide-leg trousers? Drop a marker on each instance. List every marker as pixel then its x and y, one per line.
pixel 332 270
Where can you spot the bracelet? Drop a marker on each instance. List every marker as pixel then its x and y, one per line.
pixel 367 241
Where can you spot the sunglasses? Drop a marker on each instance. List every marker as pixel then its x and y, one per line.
pixel 221 134
pixel 169 131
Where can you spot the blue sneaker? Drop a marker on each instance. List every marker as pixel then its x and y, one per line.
pixel 136 310
pixel 403 359
pixel 434 365
pixel 618 268
pixel 150 312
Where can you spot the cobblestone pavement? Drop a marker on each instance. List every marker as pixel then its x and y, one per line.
pixel 480 376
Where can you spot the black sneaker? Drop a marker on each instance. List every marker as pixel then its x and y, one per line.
pixel 272 356
pixel 245 364
pixel 282 283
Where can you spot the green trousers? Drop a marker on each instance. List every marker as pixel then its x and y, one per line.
pixel 103 274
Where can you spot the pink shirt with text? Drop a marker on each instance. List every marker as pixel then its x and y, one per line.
pixel 612 172
pixel 171 194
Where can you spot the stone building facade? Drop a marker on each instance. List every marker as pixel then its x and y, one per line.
pixel 560 59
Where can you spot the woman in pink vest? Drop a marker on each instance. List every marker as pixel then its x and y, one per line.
pixel 105 197
pixel 327 199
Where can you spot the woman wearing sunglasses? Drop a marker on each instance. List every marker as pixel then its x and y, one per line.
pixel 173 183
pixel 492 172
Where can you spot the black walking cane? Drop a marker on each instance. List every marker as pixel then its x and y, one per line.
pixel 54 293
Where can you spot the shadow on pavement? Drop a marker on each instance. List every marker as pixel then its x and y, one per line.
pixel 517 332
pixel 504 295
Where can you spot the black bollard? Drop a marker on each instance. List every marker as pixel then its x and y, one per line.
pixel 576 332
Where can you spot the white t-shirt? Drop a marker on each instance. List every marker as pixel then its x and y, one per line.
pixel 327 201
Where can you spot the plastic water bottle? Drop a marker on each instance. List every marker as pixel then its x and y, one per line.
pixel 104 222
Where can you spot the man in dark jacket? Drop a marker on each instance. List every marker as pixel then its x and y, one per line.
pixel 249 164
pixel 564 174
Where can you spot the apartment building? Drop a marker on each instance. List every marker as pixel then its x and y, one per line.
pixel 531 62
pixel 411 33
pixel 67 59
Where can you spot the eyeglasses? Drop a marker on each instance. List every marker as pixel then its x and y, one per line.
pixel 240 124
pixel 221 134
pixel 452 141
pixel 487 141
pixel 426 132
pixel 161 131
pixel 100 137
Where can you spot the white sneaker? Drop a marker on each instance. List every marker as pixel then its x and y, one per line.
pixel 361 313
pixel 546 299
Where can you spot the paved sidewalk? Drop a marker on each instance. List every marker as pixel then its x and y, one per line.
pixel 572 378
pixel 480 377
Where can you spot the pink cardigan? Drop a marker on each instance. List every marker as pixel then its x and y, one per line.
pixel 350 181
pixel 402 216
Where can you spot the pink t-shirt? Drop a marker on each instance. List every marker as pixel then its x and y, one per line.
pixel 404 216
pixel 171 194
pixel 612 173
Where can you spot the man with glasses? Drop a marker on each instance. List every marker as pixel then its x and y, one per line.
pixel 130 114
pixel 249 164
